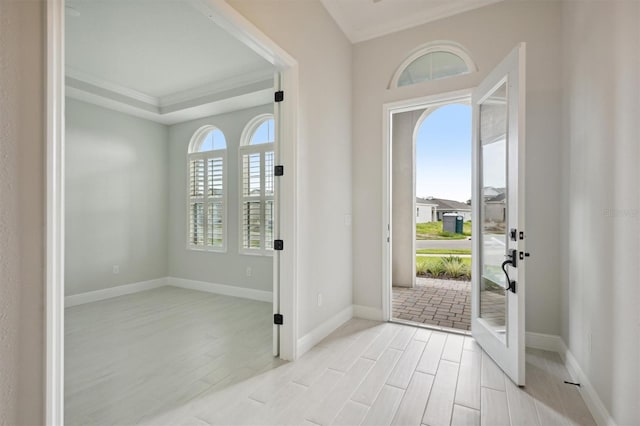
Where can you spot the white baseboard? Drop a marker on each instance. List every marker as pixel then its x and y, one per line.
pixel 108 293
pixel 595 405
pixel 367 312
pixel 316 335
pixel 226 290
pixel 547 342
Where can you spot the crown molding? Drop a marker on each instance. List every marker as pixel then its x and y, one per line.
pixel 240 92
pixel 356 35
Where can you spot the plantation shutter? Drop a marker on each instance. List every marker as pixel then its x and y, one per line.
pixel 257 199
pixel 206 221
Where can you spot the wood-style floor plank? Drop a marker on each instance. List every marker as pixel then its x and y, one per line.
pixel 440 404
pixel 432 353
pixel 464 416
pixel 179 357
pixel 468 389
pixel 493 408
pixel 401 375
pixel 384 407
pixel 491 376
pixel 415 399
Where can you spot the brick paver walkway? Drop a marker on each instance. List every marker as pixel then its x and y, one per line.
pixel 444 303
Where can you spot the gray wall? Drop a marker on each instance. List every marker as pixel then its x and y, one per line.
pixel 221 268
pixel 403 198
pixel 116 198
pixel 22 212
pixel 324 258
pixel 489 33
pixel 600 293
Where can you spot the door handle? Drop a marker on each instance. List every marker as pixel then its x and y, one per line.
pixel 511 260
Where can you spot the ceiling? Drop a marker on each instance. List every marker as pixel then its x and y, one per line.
pixel 156 55
pixel 366 19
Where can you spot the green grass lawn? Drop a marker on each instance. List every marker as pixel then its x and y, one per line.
pixel 433 231
pixel 443 251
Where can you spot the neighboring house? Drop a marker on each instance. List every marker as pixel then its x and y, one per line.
pixel 490 192
pixel 425 211
pixel 450 206
pixel 495 208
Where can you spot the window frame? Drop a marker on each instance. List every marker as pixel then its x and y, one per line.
pixel 245 148
pixel 433 47
pixel 192 154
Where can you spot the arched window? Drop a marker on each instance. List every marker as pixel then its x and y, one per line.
pixel 207 195
pixel 257 185
pixel 432 62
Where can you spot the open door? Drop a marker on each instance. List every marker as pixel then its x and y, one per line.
pixel 498 278
pixel 277 114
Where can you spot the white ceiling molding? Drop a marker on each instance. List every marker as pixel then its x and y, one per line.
pixel 362 20
pixel 241 92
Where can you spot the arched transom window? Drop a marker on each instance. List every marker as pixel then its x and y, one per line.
pixel 206 201
pixel 257 185
pixel 432 62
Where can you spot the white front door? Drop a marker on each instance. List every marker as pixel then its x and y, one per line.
pixel 498 278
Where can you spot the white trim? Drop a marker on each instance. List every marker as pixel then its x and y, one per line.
pixel 54 363
pixel 430 102
pixel 368 313
pixel 109 293
pixel 244 148
pixel 546 342
pixel 108 86
pixel 550 342
pixel 226 290
pixel 429 14
pixel 433 47
pixel 285 262
pixel 591 398
pixel 315 336
pixel 234 99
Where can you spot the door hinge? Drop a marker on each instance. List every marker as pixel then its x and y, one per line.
pixel 278 170
pixel 278 245
pixel 278 319
pixel 279 96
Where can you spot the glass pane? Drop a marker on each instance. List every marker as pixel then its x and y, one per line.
pixel 265 133
pixel 213 140
pixel 251 175
pixel 493 209
pixel 268 213
pixel 196 224
pixel 432 66
pixel 268 173
pixel 215 176
pixel 445 64
pixel 251 225
pixel 215 228
pixel 196 178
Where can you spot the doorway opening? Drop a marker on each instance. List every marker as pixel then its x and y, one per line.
pixel 431 215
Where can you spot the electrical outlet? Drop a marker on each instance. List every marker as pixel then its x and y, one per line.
pixel 347 220
pixel 116 269
pixel 248 271
pixel 319 299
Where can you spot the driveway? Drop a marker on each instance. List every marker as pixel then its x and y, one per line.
pixel 443 244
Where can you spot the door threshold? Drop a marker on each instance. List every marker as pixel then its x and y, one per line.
pixel 450 330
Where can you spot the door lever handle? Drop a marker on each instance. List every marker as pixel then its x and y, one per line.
pixel 511 283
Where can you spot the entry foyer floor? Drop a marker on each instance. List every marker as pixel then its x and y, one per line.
pixel 364 373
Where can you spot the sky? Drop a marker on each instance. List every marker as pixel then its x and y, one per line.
pixel 443 154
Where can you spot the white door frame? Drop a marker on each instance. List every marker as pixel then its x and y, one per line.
pixel 387 231
pixel 285 262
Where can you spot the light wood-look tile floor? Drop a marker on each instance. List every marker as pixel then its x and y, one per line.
pixel 364 373
pixel 145 353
